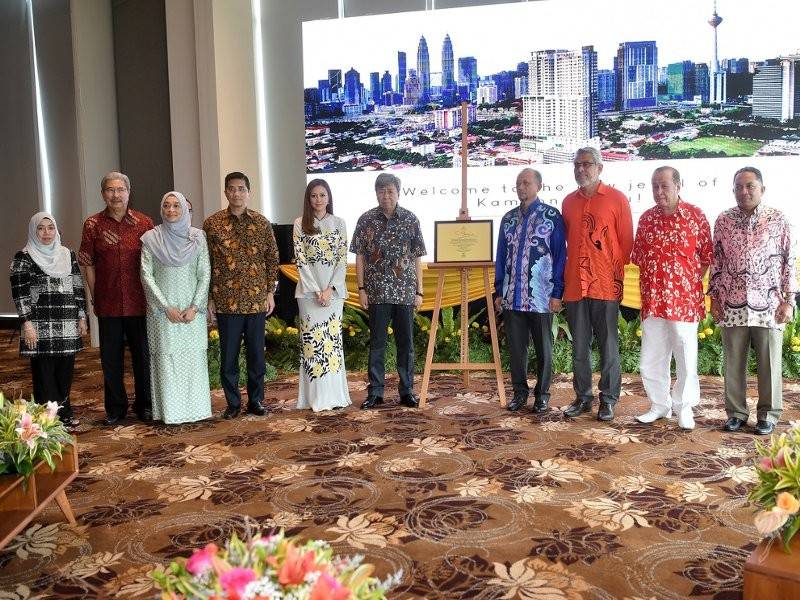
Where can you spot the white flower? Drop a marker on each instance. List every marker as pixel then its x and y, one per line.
pixel 687 491
pixel 630 484
pixel 611 515
pixel 741 474
pixel 433 445
pixel 558 470
pixel 355 459
pixel 88 566
pixel 478 487
pixel 532 494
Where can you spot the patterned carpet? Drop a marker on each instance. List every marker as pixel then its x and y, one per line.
pixel 470 501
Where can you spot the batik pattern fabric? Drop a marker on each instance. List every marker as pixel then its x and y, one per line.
pixel 669 251
pixel 114 249
pixel 321 260
pixel 390 247
pixel 244 261
pixel 323 379
pixel 531 253
pixel 54 305
pixel 599 241
pixel 754 268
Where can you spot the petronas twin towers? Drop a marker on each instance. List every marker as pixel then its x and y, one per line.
pixel 424 67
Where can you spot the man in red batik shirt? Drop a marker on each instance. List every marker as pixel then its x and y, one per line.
pixel 673 251
pixel 110 256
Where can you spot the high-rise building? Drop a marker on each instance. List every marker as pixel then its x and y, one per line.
pixel 717 80
pixel 636 67
pixel 412 92
pixel 735 65
pixel 335 82
pixel 401 71
pixel 352 87
pixel 468 72
pixel 681 81
pixel 702 86
pixel 776 94
pixel 520 86
pixel 424 70
pixel 487 93
pixel 324 88
pixel 448 79
pixel 559 112
pixel 589 56
pixel 375 87
pixel 450 118
pixel 606 90
pixel 386 83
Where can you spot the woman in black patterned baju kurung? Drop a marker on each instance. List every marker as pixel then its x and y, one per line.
pixel 48 292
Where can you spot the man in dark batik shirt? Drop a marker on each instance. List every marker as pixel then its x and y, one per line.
pixel 388 246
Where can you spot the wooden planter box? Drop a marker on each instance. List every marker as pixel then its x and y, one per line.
pixel 772 574
pixel 19 506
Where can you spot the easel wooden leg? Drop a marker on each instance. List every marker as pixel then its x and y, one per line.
pixel 63 504
pixel 498 367
pixel 464 327
pixel 426 374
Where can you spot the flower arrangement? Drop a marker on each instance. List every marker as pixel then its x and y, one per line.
pixel 30 433
pixel 778 490
pixel 269 568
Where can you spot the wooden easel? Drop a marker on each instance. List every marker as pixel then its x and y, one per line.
pixel 463 365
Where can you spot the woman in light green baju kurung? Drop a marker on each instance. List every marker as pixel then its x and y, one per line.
pixel 175 276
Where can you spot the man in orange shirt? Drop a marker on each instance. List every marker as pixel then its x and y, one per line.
pixel 599 241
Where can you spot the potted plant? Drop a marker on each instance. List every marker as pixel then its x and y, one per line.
pixel 270 567
pixel 30 433
pixel 777 493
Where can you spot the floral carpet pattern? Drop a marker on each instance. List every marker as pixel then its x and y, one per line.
pixel 469 500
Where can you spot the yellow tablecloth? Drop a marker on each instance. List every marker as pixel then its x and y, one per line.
pixel 452 286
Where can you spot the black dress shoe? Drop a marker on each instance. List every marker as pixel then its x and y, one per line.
pixel 231 413
pixel 541 405
pixel 733 424
pixel 371 401
pixel 519 400
pixel 409 400
pixel 145 414
pixel 578 407
pixel 606 411
pixel 764 427
pixel 110 421
pixel 256 409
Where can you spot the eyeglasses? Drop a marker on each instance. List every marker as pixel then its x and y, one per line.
pixel 750 187
pixel 115 190
pixel 584 164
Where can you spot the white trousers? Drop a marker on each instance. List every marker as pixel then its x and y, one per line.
pixel 661 340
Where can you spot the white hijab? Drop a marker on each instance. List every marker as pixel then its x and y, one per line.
pixel 174 244
pixel 54 259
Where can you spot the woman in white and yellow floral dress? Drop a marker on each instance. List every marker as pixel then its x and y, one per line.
pixel 320 249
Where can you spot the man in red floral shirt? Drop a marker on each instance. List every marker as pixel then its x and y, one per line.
pixel 673 251
pixel 110 256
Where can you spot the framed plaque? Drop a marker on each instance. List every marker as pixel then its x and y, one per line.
pixel 463 241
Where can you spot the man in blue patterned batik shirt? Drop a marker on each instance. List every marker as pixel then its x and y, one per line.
pixel 529 283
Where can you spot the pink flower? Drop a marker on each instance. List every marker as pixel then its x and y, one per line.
pixel 328 588
pixel 28 431
pixel 766 463
pixel 780 460
pixel 235 581
pixel 202 560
